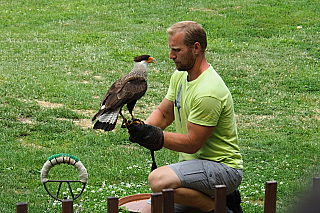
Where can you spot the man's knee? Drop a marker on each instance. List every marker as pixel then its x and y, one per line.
pixel 156 181
pixel 163 178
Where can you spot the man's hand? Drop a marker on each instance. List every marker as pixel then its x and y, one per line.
pixel 151 137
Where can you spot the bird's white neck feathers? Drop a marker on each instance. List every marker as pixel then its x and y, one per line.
pixel 140 68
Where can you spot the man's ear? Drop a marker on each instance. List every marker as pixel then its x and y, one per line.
pixel 197 47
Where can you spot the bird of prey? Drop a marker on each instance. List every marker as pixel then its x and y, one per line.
pixel 126 90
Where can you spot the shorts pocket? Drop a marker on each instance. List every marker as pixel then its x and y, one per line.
pixel 214 174
pixel 193 173
pixel 213 179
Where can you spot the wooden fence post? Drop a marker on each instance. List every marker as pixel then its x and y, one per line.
pixel 316 184
pixel 270 197
pixel 156 202
pixel 168 200
pixel 112 205
pixel 67 206
pixel 22 208
pixel 220 199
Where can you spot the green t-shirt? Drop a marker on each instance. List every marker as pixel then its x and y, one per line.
pixel 206 101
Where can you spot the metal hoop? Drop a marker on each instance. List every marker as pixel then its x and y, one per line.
pixel 65 159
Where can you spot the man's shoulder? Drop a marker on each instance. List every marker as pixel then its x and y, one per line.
pixel 179 74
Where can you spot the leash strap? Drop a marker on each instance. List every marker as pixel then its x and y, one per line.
pixel 154 165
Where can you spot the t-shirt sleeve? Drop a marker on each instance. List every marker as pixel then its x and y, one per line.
pixel 205 111
pixel 171 94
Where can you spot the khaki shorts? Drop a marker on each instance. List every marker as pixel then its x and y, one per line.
pixel 204 175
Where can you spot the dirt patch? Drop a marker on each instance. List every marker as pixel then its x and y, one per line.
pixel 252 120
pixel 48 104
pixel 208 10
pixel 84 123
pixel 25 120
pixel 32 145
pixel 97 77
pixel 88 113
pixel 317 115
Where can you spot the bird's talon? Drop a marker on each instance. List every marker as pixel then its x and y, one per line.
pixel 124 123
pixel 136 121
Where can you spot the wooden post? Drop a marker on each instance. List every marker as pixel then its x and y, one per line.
pixel 316 184
pixel 168 200
pixel 270 197
pixel 156 202
pixel 22 207
pixel 220 199
pixel 112 205
pixel 67 206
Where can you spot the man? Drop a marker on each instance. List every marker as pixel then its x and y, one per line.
pixel 202 107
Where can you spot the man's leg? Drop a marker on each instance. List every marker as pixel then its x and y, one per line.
pixel 165 178
pixel 194 181
pixel 178 208
pixel 195 198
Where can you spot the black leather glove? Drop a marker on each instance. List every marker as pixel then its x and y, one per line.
pixel 148 136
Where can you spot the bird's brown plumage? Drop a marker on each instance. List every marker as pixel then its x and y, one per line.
pixel 126 90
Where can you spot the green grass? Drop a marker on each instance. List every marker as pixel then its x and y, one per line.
pixel 58 58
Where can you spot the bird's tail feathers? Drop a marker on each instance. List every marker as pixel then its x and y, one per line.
pixel 107 119
pixel 104 126
pixel 102 109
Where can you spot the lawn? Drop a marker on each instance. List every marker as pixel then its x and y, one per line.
pixel 58 58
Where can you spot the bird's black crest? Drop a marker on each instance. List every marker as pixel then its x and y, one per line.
pixel 141 58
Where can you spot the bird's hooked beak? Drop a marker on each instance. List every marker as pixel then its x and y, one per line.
pixel 151 60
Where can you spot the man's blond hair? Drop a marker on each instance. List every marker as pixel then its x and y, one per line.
pixel 193 32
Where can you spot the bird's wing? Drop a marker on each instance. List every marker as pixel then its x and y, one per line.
pixel 131 90
pixel 120 92
pixel 118 85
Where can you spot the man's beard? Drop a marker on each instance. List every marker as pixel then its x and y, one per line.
pixel 190 60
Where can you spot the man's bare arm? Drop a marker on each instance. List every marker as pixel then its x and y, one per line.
pixel 191 142
pixel 163 116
